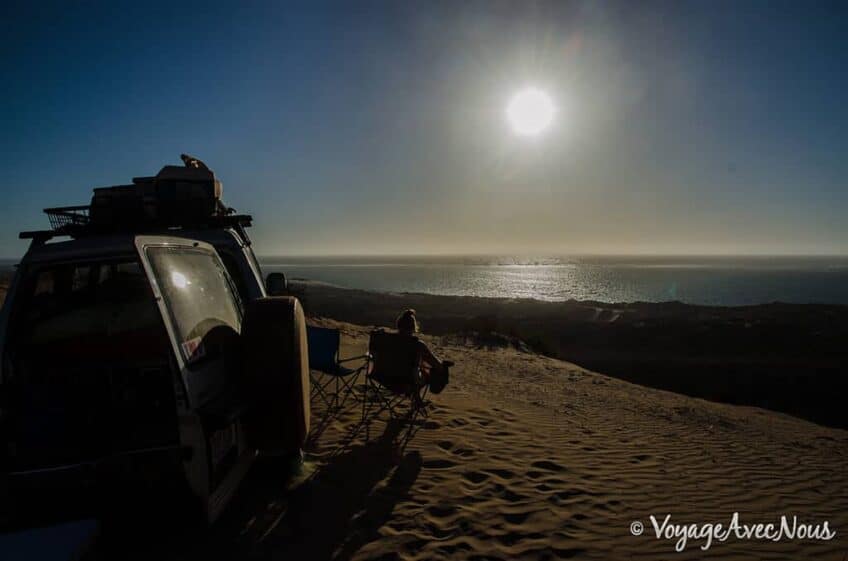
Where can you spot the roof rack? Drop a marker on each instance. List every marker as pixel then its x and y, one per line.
pixel 175 198
pixel 72 222
pixel 67 216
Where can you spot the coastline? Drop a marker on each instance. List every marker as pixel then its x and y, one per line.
pixel 788 358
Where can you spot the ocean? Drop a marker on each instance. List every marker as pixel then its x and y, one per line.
pixel 723 281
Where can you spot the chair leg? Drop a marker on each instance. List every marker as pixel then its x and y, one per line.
pixel 345 386
pixel 373 404
pixel 364 410
pixel 391 404
pixel 377 399
pixel 424 403
pixel 319 389
pixel 333 390
pixel 366 399
pixel 336 393
pixel 417 405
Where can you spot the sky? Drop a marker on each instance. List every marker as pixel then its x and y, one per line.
pixel 380 128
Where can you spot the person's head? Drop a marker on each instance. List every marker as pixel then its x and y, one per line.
pixel 406 322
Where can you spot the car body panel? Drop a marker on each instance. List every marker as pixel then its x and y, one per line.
pixel 211 452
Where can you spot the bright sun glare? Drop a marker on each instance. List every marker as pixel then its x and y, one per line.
pixel 530 112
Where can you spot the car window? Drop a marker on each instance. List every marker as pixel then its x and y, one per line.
pixel 72 307
pixel 235 274
pixel 202 303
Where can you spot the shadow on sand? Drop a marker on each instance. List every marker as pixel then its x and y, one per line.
pixel 330 513
pixel 343 508
pixel 333 514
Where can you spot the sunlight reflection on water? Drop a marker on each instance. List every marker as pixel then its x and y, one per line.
pixel 710 282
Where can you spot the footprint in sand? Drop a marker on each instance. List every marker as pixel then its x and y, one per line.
pixel 547 465
pixel 475 476
pixel 502 473
pixel 517 517
pixel 507 494
pixel 451 448
pixel 437 511
pixel 438 464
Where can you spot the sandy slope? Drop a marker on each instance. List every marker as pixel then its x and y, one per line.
pixel 526 457
pixel 783 357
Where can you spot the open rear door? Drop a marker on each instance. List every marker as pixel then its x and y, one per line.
pixel 203 314
pixel 201 310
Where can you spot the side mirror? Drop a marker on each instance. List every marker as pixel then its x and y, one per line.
pixel 276 284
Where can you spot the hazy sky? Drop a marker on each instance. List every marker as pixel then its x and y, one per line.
pixel 705 127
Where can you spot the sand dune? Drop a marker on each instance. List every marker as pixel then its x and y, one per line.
pixel 527 457
pixel 784 357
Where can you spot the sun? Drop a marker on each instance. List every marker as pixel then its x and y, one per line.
pixel 530 112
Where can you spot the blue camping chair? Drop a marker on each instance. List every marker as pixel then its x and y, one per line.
pixel 336 381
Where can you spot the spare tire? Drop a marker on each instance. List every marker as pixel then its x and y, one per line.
pixel 276 375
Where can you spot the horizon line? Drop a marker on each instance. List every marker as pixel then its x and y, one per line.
pixel 541 255
pixel 548 255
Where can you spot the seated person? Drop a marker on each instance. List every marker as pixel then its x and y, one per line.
pixel 433 370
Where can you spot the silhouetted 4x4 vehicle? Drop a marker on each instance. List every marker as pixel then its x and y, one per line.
pixel 141 360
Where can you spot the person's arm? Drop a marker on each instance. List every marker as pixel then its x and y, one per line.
pixel 428 356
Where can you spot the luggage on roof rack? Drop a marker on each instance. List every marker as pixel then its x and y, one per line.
pixel 176 196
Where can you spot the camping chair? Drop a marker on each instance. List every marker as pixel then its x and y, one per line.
pixel 337 381
pixel 393 376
